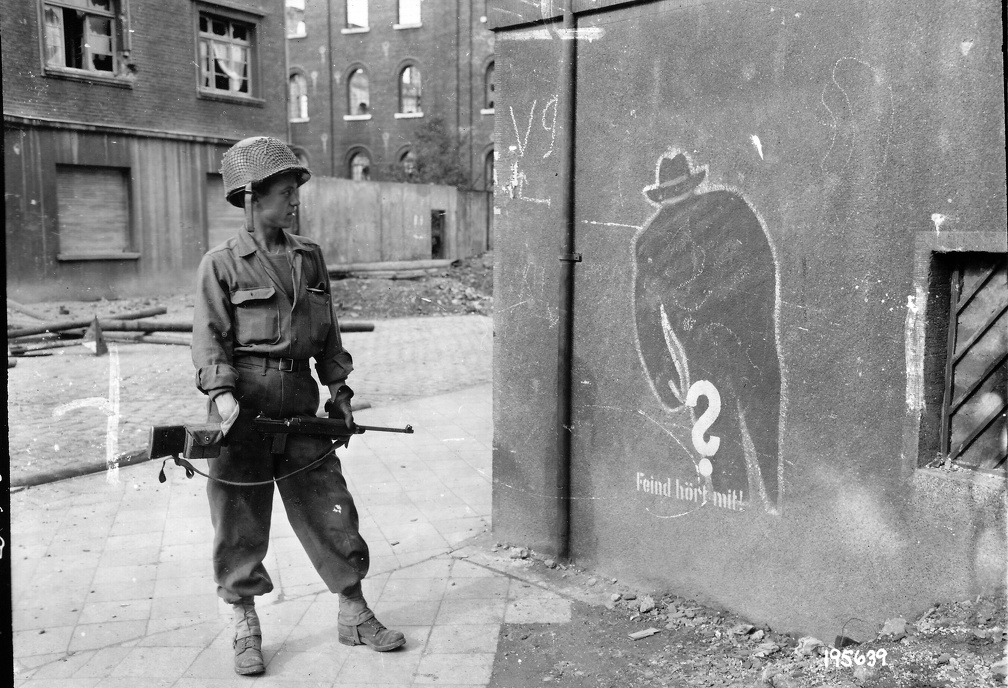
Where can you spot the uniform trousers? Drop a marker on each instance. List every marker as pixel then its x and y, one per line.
pixel 318 504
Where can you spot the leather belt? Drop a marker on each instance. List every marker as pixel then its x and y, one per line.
pixel 286 365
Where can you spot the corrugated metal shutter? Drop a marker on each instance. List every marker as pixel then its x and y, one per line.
pixel 93 208
pixel 223 219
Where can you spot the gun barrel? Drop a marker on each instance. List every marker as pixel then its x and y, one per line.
pixel 408 430
pixel 324 427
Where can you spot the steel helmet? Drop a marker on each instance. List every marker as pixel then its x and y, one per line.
pixel 254 159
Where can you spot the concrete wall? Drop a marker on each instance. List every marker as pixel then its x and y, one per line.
pixel 366 222
pixel 759 193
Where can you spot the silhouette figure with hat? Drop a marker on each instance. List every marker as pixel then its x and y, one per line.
pixel 705 306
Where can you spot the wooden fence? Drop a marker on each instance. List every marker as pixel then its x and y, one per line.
pixel 369 222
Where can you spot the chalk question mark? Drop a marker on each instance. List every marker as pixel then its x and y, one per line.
pixel 705 448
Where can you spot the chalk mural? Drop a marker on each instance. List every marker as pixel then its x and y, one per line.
pixel 706 304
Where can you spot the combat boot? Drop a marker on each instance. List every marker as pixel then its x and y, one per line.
pixel 247 642
pixel 370 632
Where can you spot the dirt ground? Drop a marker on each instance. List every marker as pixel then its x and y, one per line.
pixel 688 644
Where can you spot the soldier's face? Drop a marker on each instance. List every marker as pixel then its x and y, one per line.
pixel 278 206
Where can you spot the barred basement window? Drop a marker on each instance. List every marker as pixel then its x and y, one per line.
pixel 81 34
pixel 226 49
pixel 973 426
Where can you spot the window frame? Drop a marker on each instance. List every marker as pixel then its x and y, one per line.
pixel 350 115
pixel 488 109
pixel 400 112
pixel 129 239
pixel 303 115
pixel 400 24
pixel 119 38
pixel 926 347
pixel 254 22
pixel 301 25
pixel 958 302
pixel 349 28
pixel 353 153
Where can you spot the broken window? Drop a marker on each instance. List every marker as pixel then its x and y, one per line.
pixel 409 90
pixel 81 34
pixel 357 14
pixel 295 19
pixel 407 161
pixel 297 99
pixel 490 86
pixel 358 95
pixel 360 167
pixel 973 429
pixel 409 12
pixel 225 51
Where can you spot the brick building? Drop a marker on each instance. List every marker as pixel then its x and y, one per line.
pixel 365 74
pixel 116 114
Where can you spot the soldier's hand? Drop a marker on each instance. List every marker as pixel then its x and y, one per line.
pixel 226 404
pixel 338 407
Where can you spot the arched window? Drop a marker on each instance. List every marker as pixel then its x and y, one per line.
pixel 407 163
pixel 409 12
pixel 358 96
pixel 488 172
pixel 409 90
pixel 357 14
pixel 297 98
pixel 360 167
pixel 489 87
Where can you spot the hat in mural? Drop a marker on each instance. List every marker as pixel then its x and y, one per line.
pixel 674 179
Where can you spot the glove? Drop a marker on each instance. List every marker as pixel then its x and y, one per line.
pixel 338 407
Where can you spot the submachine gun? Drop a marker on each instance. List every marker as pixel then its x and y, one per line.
pixel 203 440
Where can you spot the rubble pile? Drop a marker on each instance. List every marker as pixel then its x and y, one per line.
pixel 464 287
pixel 637 639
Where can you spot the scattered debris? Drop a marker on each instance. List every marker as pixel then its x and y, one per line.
pixel 894 628
pixel 647 632
pixel 808 646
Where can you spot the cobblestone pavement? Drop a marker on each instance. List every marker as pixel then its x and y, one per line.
pixel 73 410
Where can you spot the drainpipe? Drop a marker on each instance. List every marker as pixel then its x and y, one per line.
pixel 567 109
pixel 332 91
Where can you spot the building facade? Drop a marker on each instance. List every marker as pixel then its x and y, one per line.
pixel 364 75
pixel 784 389
pixel 116 114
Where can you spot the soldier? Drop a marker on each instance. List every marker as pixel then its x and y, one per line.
pixel 263 309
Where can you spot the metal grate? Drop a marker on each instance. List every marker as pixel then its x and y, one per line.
pixel 975 401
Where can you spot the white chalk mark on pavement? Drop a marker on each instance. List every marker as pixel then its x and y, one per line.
pixel 110 407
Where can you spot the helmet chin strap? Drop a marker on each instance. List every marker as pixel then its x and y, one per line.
pixel 249 226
